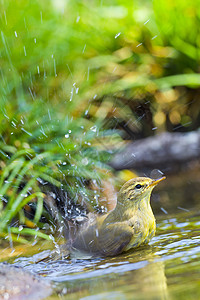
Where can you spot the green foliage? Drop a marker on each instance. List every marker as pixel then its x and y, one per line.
pixel 50 150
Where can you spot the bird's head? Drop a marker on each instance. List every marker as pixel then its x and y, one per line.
pixel 137 189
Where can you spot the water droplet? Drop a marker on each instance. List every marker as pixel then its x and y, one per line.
pixel 146 22
pixel 118 34
pixel 21 228
pixel 156 174
pixel 24 51
pixel 164 210
pixel 184 209
pixel 72 92
pixel 51 237
pixel 93 128
pixel 26 131
pixel 13 123
pixel 84 48
pixel 54 63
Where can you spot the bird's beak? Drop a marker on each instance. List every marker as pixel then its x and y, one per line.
pixel 156 181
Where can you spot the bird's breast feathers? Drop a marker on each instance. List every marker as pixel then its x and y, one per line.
pixel 143 230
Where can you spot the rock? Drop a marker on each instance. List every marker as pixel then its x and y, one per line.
pixel 19 284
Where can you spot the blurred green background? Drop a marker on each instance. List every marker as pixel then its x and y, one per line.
pixel 77 78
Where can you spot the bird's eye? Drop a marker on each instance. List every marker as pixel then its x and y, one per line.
pixel 138 186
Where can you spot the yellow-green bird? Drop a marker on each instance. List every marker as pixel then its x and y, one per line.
pixel 128 226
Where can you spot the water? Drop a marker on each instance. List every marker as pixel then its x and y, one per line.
pixel 168 268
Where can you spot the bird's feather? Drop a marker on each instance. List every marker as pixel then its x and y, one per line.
pixel 106 241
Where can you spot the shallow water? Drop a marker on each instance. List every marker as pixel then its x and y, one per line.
pixel 168 268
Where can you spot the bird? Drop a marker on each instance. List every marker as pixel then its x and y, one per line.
pixel 129 225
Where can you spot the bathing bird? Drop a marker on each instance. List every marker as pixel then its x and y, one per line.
pixel 129 225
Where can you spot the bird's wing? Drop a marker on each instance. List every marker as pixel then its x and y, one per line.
pixel 106 241
pixel 115 239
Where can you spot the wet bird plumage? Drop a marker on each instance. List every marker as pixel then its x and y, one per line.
pixel 128 226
